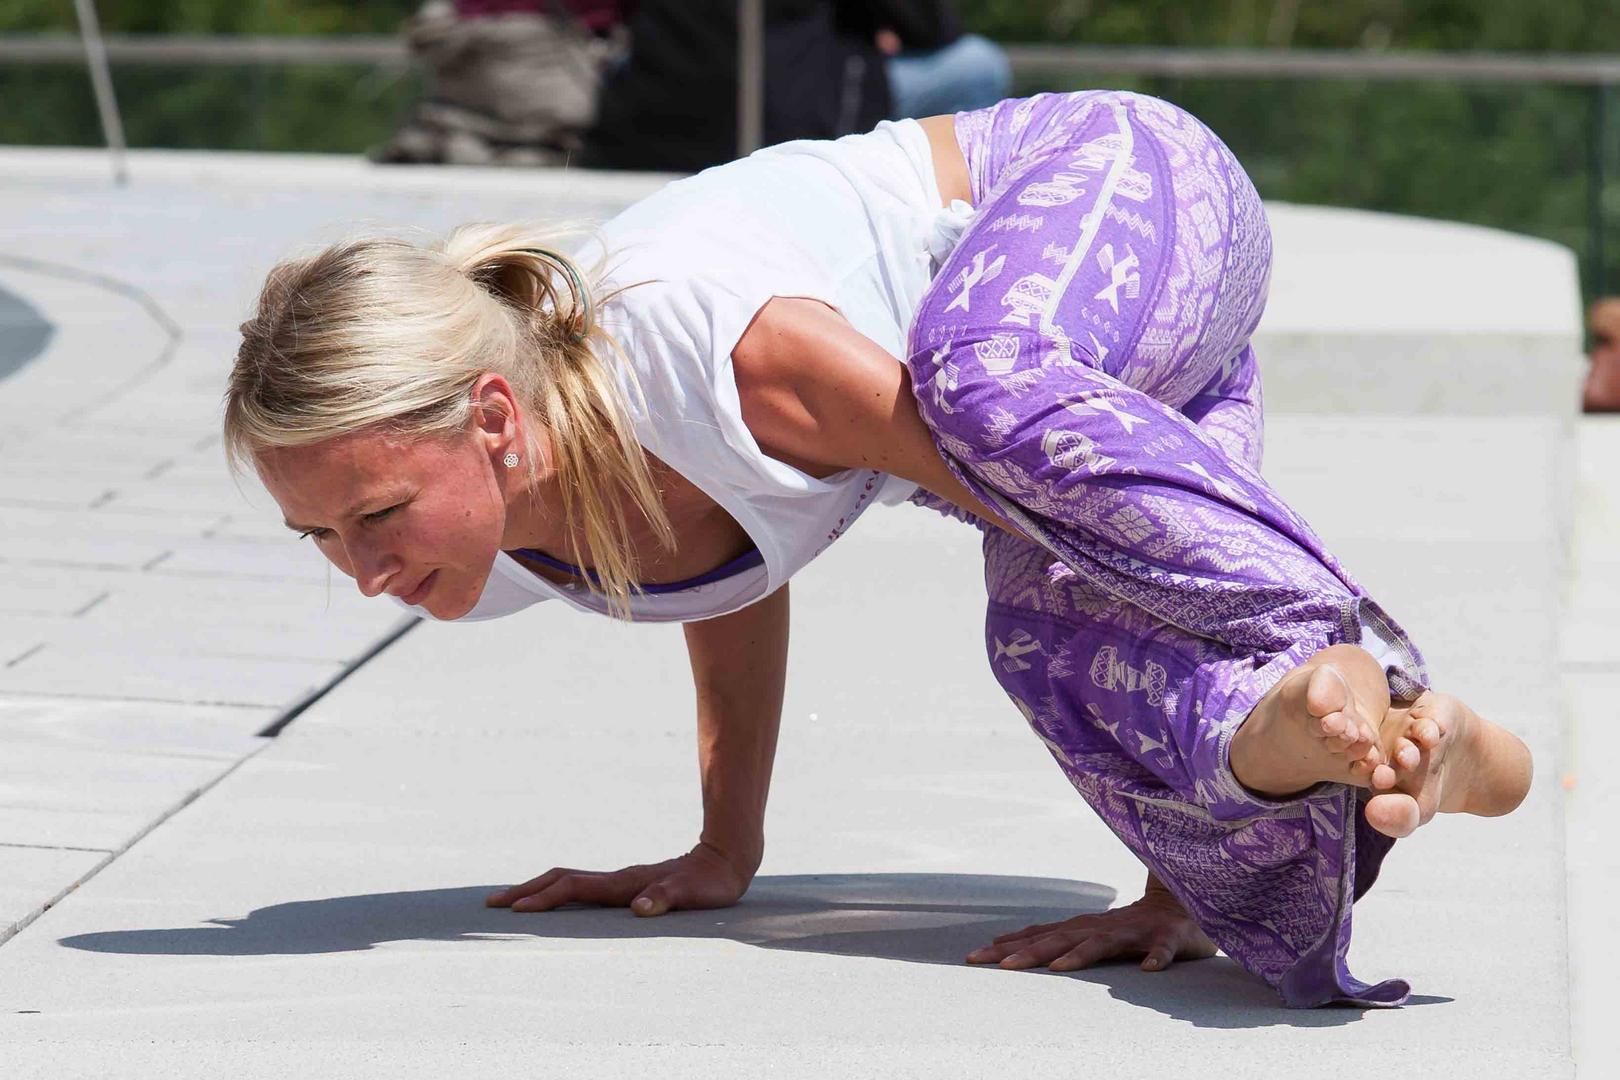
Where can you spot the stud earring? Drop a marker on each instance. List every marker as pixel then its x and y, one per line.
pixel 510 460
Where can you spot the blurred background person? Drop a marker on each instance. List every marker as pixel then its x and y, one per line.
pixel 672 105
pixel 510 82
pixel 1602 392
pixel 932 66
pixel 832 67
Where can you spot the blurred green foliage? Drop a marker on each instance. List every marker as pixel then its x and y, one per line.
pixel 1515 156
pixel 212 16
pixel 1559 26
pixel 1460 25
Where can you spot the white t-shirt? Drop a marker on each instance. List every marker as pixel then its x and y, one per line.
pixel 854 222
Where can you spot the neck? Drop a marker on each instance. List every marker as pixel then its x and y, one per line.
pixel 534 518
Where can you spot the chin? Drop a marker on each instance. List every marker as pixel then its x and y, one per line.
pixel 444 601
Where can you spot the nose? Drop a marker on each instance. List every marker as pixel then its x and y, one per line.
pixel 371 569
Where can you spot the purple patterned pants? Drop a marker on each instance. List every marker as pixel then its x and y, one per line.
pixel 1083 361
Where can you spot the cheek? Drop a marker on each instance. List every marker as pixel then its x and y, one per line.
pixel 458 534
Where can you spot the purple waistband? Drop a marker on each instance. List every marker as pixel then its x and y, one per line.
pixel 746 561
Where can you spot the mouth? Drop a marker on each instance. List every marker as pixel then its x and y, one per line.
pixel 418 594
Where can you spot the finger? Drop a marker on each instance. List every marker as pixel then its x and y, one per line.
pixel 1088 952
pixel 1160 956
pixel 656 899
pixel 1042 951
pixel 1033 930
pixel 575 888
pixel 1007 944
pixel 998 951
pixel 993 953
pixel 503 897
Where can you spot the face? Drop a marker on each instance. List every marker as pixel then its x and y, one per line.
pixel 422 518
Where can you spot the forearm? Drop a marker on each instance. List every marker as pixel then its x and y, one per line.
pixel 739 664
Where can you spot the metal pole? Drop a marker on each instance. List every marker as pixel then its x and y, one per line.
pixel 101 79
pixel 750 76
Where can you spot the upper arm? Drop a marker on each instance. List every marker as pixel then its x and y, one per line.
pixel 817 392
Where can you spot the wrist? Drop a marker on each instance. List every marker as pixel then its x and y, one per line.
pixel 742 852
pixel 1156 895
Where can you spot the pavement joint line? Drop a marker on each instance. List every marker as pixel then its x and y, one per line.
pixel 15 660
pixel 94 602
pixel 22 924
pixel 150 563
pixel 405 626
pixel 54 847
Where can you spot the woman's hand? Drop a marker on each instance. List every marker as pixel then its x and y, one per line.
pixel 1156 928
pixel 702 878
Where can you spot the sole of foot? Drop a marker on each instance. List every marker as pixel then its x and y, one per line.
pixel 1441 757
pixel 1320 723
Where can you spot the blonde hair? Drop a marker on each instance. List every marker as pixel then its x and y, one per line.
pixel 380 332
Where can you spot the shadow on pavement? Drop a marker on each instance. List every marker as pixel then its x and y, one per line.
pixel 24 332
pixel 919 918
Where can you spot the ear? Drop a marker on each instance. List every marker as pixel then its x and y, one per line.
pixel 498 422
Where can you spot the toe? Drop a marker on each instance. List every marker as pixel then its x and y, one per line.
pixel 1406 754
pixel 1393 814
pixel 1327 692
pixel 1383 777
pixel 1426 734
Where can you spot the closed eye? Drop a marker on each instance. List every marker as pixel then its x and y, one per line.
pixel 376 515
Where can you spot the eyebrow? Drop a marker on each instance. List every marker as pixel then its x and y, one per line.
pixel 352 511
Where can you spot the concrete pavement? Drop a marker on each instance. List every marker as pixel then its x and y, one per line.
pixel 317 907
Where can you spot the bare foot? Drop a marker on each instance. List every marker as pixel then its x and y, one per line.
pixel 1443 757
pixel 1320 722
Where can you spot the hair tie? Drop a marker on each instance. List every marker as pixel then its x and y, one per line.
pixel 576 285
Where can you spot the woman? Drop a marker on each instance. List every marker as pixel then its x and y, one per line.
pixel 476 427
